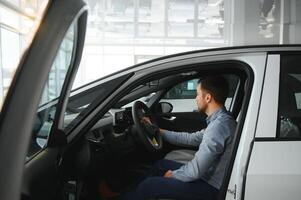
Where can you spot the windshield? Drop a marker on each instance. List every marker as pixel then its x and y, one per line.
pixel 83 100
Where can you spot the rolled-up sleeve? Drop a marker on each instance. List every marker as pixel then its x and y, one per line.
pixel 212 146
pixel 183 138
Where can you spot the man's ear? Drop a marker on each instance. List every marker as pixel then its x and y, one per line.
pixel 208 97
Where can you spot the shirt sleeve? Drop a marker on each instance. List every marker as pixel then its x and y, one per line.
pixel 211 147
pixel 183 138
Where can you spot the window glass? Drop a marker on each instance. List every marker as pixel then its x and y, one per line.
pixel 59 69
pixel 19 20
pixel 151 18
pixel 289 113
pixel 9 17
pixel 118 18
pixel 83 100
pixel 10 54
pixel 52 89
pixel 180 18
pixel 182 96
pixel 211 20
pixel 185 90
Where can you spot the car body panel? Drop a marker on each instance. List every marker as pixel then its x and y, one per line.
pixel 235 188
pixel 267 121
pixel 274 171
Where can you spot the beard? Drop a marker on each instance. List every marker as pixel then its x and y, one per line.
pixel 202 108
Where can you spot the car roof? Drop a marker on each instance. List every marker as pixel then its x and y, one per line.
pixel 202 52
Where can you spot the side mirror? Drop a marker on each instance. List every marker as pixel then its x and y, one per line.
pixel 164 107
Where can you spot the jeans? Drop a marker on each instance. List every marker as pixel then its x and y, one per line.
pixel 156 186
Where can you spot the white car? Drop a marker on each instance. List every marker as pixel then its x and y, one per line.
pixel 66 147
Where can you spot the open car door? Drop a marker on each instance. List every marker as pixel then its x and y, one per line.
pixel 60 35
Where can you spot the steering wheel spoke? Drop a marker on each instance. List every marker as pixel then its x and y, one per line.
pixel 154 141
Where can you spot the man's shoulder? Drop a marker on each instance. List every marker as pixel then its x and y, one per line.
pixel 224 118
pixel 223 123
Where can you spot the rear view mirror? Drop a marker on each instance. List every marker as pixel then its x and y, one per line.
pixel 164 107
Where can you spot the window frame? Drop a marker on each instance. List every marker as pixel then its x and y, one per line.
pixel 49 108
pixel 55 135
pixel 278 137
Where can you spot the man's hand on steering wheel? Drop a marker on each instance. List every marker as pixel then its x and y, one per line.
pixel 146 120
pixel 148 132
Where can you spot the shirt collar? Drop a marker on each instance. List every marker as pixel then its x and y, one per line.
pixel 214 115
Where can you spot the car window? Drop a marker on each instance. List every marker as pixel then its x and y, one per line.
pixel 289 113
pixel 52 89
pixel 182 96
pixel 185 90
pixel 84 99
pixel 144 99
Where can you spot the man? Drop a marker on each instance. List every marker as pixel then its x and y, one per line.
pixel 200 178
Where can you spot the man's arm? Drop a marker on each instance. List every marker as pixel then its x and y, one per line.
pixel 183 138
pixel 179 138
pixel 211 147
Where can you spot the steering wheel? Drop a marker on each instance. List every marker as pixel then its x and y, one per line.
pixel 148 134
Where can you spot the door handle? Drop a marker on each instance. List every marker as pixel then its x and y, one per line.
pixel 172 118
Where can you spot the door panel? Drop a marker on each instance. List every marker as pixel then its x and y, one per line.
pixel 184 121
pixel 40 176
pixel 274 171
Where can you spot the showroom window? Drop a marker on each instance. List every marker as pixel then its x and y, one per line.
pixel 289 113
pixel 10 55
pixel 180 18
pixel 19 20
pixel 119 19
pixel 151 18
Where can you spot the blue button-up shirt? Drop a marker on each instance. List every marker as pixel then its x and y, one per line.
pixel 209 162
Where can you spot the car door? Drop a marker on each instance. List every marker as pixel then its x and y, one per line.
pixel 56 47
pixel 274 170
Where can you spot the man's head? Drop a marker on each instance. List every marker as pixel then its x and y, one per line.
pixel 212 93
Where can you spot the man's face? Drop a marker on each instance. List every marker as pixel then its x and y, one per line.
pixel 202 99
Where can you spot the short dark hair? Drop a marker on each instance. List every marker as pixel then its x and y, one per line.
pixel 217 86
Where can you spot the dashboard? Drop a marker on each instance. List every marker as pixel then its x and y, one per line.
pixel 122 119
pixel 110 135
pixel 115 123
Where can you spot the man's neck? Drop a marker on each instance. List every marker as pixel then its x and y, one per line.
pixel 211 109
